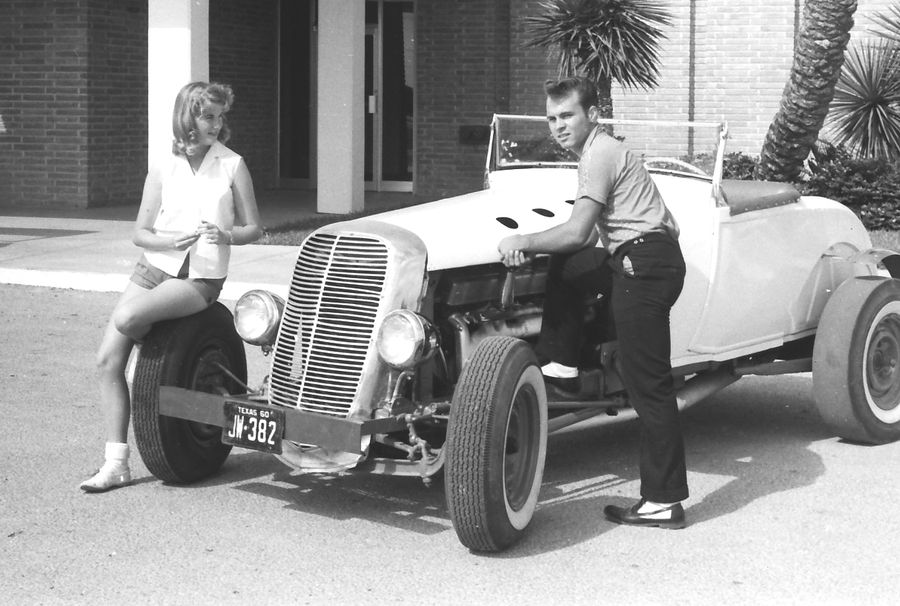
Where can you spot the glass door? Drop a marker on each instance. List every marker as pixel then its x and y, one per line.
pixel 389 95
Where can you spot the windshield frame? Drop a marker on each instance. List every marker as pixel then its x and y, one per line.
pixel 494 161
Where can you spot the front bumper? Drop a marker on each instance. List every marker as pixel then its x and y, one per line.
pixel 303 427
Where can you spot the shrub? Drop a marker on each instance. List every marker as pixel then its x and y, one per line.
pixel 735 165
pixel 738 165
pixel 870 187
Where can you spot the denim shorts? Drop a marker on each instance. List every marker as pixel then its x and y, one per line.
pixel 149 276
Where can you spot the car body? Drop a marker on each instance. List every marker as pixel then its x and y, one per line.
pixel 404 346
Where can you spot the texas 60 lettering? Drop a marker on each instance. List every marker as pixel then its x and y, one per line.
pixel 253 427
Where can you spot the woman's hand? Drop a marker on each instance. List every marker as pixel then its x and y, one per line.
pixel 214 235
pixel 185 240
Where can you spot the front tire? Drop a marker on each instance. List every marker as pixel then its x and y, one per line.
pixel 187 352
pixel 856 361
pixel 496 445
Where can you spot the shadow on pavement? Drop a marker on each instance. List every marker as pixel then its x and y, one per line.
pixel 400 502
pixel 743 444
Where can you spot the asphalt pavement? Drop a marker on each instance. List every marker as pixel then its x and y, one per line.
pixel 781 511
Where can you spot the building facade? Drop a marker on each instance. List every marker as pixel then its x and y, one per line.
pixel 399 90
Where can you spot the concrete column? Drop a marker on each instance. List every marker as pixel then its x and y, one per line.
pixel 178 53
pixel 341 121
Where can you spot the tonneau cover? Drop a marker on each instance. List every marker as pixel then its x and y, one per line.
pixel 746 196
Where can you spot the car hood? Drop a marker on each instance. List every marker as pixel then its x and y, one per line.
pixel 465 230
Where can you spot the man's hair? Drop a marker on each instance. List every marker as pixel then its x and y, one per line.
pixel 584 88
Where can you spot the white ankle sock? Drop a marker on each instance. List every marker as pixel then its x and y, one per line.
pixel 116 454
pixel 559 371
pixel 653 506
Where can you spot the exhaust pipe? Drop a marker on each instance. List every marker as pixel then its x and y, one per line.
pixel 704 385
pixel 693 391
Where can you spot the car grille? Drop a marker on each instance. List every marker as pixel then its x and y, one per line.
pixel 328 323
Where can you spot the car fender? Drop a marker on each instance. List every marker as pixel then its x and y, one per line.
pixel 838 264
pixel 880 258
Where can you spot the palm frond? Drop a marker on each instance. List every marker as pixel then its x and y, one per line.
pixel 614 40
pixel 865 113
pixel 890 21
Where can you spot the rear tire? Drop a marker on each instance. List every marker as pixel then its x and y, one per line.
pixel 856 361
pixel 496 445
pixel 188 353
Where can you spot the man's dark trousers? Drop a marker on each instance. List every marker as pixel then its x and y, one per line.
pixel 643 280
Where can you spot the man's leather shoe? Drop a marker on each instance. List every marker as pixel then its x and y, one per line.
pixel 569 387
pixel 670 517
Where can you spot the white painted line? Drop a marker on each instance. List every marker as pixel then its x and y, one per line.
pixel 99 282
pixel 76 280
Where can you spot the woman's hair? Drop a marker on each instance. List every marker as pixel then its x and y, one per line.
pixel 584 88
pixel 189 104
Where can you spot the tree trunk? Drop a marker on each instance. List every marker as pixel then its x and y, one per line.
pixel 604 97
pixel 818 58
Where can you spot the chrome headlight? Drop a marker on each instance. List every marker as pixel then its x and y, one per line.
pixel 257 315
pixel 406 339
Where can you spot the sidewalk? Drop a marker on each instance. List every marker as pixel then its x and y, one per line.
pixel 92 250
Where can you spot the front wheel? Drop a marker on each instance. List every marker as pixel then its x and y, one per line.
pixel 496 445
pixel 856 361
pixel 199 352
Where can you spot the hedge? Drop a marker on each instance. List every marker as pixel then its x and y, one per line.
pixel 869 187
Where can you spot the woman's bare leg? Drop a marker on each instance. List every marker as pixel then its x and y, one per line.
pixel 112 357
pixel 172 299
pixel 135 313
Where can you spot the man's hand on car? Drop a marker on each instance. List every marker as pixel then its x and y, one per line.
pixel 511 252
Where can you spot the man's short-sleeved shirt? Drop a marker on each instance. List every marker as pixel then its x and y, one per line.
pixel 611 175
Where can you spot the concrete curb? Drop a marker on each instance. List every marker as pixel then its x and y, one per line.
pixel 98 282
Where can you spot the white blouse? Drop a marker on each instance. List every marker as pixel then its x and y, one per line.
pixel 189 198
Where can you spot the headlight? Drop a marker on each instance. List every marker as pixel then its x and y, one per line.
pixel 406 339
pixel 257 315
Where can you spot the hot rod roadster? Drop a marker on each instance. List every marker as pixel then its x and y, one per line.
pixel 405 346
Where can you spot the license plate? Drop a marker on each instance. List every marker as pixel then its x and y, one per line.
pixel 253 427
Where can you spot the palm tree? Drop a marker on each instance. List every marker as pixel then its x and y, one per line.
pixel 604 41
pixel 817 64
pixel 890 21
pixel 865 113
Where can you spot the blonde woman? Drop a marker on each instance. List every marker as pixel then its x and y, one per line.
pixel 196 205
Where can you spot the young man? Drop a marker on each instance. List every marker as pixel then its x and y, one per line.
pixel 640 268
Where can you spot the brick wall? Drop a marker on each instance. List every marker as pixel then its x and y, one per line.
pixel 43 103
pixel 743 57
pixel 243 47
pixel 73 99
pixel 530 67
pixel 462 77
pixel 744 54
pixel 117 102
